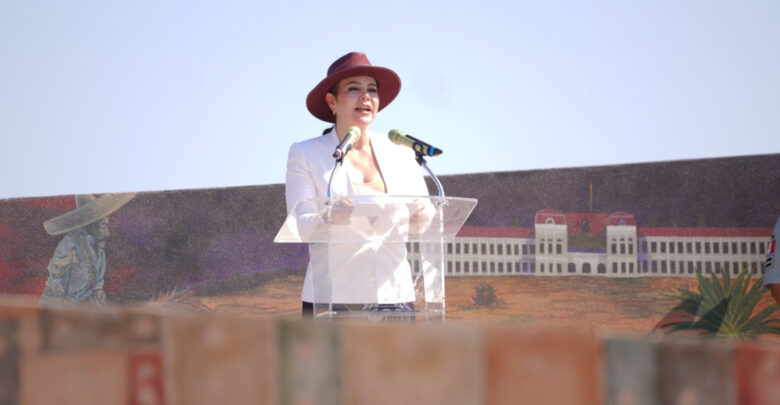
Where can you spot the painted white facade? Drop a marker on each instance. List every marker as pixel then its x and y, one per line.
pixel 684 256
pixel 545 252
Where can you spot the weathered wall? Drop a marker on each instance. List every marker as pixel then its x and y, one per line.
pixel 209 241
pixel 212 250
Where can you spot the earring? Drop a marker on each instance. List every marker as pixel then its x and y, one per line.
pixel 334 112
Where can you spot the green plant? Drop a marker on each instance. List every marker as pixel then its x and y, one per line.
pixel 484 295
pixel 724 308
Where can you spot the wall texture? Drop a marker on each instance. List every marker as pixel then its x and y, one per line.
pixel 212 250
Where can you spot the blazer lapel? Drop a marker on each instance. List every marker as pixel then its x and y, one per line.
pixel 342 184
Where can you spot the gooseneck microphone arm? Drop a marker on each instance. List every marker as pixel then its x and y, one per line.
pixel 351 136
pixel 336 167
pixel 421 161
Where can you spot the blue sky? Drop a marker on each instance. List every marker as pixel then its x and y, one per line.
pixel 110 96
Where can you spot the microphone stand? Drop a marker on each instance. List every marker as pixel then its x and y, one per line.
pixel 422 162
pixel 440 204
pixel 331 200
pixel 336 167
pixel 329 204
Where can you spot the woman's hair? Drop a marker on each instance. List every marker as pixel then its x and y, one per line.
pixel 335 91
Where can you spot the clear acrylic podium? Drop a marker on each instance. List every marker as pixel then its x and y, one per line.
pixel 358 250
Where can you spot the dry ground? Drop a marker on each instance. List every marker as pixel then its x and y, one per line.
pixel 628 306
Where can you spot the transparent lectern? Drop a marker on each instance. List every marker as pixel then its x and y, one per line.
pixel 377 257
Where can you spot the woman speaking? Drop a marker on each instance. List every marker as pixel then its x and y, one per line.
pixel 370 276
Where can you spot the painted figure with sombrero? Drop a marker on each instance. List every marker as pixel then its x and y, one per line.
pixel 352 93
pixel 78 268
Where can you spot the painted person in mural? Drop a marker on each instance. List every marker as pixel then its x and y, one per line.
pixel 771 271
pixel 351 95
pixel 77 269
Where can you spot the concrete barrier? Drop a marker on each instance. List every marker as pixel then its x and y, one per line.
pixel 120 356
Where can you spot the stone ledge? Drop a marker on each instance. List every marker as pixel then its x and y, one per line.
pixel 80 356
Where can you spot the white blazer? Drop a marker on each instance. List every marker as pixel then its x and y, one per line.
pixel 367 273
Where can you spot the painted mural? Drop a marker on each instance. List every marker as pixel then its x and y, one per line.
pixel 614 248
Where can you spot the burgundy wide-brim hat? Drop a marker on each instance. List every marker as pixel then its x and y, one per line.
pixel 349 65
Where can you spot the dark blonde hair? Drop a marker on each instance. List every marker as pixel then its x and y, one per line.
pixel 335 91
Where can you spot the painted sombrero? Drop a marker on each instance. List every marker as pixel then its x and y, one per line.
pixel 89 209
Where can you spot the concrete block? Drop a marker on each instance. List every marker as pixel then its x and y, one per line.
pixel 757 369
pixel 219 360
pixel 631 372
pixel 30 336
pixel 77 377
pixel 695 371
pixel 309 363
pixel 16 306
pixel 384 364
pixel 143 329
pixel 525 367
pixel 146 377
pixel 71 329
pixel 9 362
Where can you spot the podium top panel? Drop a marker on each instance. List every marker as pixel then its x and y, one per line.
pixel 375 218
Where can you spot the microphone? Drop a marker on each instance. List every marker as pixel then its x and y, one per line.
pixel 352 135
pixel 401 138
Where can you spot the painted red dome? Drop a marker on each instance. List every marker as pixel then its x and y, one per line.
pixel 621 218
pixel 550 216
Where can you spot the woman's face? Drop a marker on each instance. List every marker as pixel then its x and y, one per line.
pixel 356 101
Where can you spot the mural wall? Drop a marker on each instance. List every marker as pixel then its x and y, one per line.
pixel 614 244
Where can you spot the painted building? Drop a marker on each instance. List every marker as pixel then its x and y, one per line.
pixel 598 244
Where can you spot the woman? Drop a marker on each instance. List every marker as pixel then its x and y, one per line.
pixel 351 95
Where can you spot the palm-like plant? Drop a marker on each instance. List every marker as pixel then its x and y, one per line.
pixel 724 308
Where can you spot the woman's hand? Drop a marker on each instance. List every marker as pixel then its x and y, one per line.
pixel 339 213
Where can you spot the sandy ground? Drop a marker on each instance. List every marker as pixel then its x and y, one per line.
pixel 590 304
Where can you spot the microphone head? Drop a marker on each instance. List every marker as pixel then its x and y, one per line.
pixel 355 131
pixel 396 136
